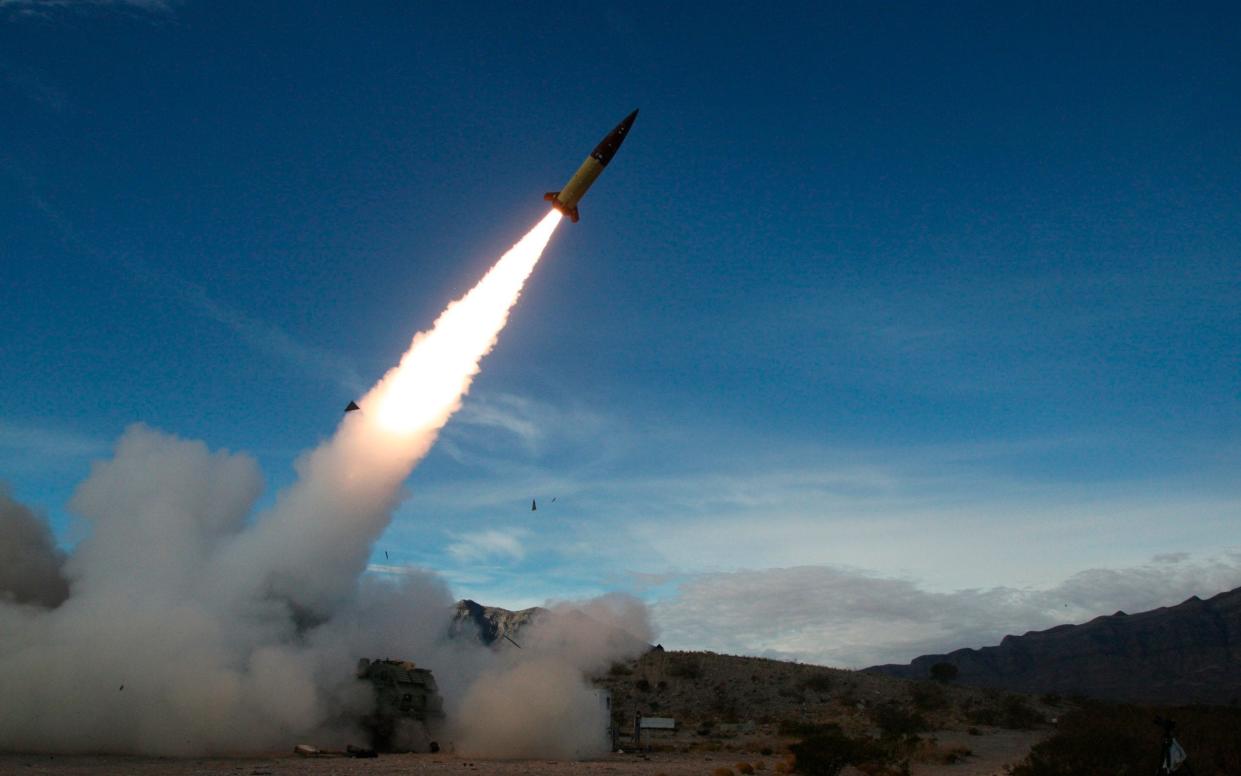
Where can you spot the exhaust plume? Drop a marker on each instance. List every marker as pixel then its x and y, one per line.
pixel 30 564
pixel 179 626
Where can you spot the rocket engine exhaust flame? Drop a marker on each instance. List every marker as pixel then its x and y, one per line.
pixel 304 551
pixel 232 634
pixel 420 393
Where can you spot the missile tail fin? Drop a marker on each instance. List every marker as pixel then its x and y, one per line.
pixel 554 198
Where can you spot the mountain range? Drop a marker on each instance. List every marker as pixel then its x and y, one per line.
pixel 1188 653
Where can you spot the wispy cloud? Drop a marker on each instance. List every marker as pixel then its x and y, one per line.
pixel 262 336
pixel 39 447
pixel 44 8
pixel 267 338
pixel 395 570
pixel 852 618
pixel 489 545
pixel 492 426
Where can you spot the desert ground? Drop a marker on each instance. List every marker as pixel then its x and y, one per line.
pixel 991 752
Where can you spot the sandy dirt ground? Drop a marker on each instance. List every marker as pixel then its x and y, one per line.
pixel 992 752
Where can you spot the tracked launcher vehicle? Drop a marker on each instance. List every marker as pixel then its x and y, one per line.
pixel 408 713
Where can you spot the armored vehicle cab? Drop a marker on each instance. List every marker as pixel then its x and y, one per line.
pixel 408 710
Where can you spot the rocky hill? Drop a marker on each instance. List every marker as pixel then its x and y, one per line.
pixel 500 628
pixel 491 623
pixel 1188 653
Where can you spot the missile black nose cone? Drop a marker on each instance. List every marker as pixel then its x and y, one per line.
pixel 607 147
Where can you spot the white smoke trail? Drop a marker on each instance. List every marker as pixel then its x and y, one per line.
pixel 310 549
pixel 189 629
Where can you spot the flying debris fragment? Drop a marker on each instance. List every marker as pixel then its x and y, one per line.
pixel 353 406
pixel 510 640
pixel 534 505
pixel 567 198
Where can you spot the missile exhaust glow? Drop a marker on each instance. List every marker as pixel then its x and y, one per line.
pixel 420 393
pixel 311 546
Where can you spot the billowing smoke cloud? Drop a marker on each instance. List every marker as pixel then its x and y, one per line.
pixel 30 564
pixel 191 628
pixel 535 702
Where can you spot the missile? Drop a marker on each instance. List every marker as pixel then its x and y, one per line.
pixel 567 198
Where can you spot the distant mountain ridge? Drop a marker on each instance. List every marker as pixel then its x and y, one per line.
pixel 492 622
pixel 499 628
pixel 1188 653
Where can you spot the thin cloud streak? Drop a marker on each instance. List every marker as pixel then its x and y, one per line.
pixel 485 545
pixel 40 448
pixel 263 337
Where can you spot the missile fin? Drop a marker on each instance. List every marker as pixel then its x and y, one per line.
pixel 553 197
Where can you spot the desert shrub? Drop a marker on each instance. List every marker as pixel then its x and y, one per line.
pixel 1051 699
pixel 821 683
pixel 724 705
pixel 620 669
pixel 928 696
pixel 828 749
pixel 642 685
pixel 848 696
pixel 983 715
pixel 721 771
pixel 944 672
pixel 1098 737
pixel 745 768
pixel 973 731
pixel 1019 715
pixel 897 722
pixel 685 668
pixel 765 751
pixel 801 729
pixel 662 685
pixel 825 753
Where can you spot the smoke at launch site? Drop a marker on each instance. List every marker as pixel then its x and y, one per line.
pixel 184 624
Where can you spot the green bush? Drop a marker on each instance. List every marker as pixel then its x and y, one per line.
pixel 820 683
pixel 927 696
pixel 1120 739
pixel 828 750
pixel 685 668
pixel 896 722
pixel 824 753
pixel 1019 715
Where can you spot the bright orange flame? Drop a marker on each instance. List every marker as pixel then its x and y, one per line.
pixel 423 391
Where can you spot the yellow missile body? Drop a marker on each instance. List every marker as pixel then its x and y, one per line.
pixel 567 198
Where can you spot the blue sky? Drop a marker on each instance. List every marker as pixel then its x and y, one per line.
pixel 916 299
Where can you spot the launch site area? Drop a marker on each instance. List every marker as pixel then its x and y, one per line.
pixel 836 388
